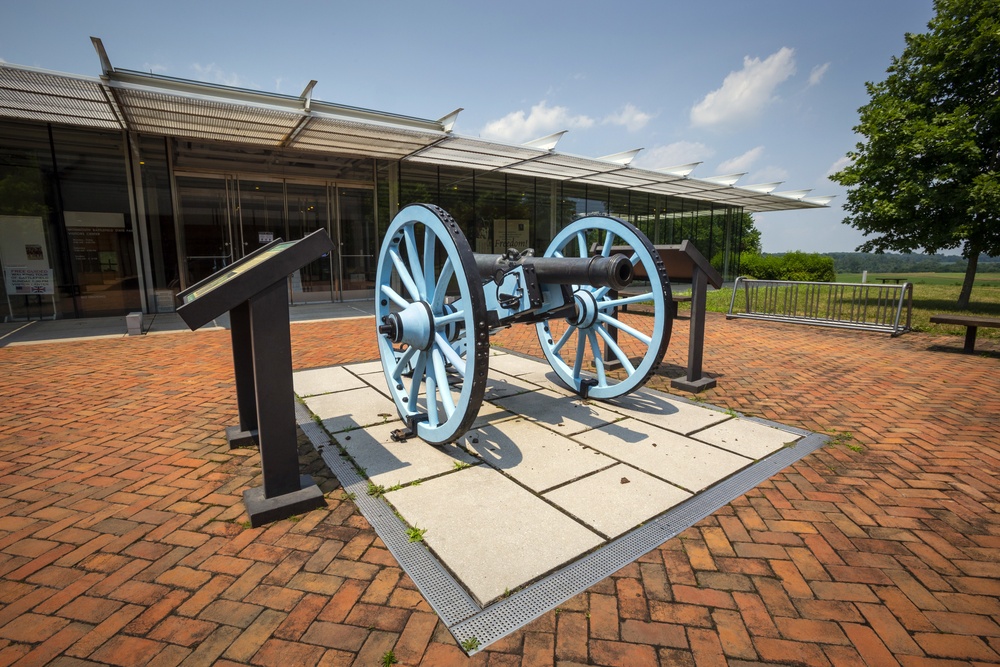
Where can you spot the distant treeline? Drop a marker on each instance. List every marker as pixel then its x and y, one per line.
pixel 856 262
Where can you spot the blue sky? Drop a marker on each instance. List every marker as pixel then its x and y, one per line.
pixel 767 87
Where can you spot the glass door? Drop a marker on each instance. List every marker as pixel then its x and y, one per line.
pixel 309 210
pixel 206 204
pixel 358 242
pixel 261 208
pixel 227 217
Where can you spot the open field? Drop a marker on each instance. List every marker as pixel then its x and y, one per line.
pixel 932 293
pixel 985 279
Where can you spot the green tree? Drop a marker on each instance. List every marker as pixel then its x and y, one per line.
pixel 21 191
pixel 927 175
pixel 748 234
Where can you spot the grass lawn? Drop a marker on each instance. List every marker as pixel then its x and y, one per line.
pixel 984 279
pixel 932 293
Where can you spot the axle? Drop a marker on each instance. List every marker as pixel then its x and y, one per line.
pixel 614 271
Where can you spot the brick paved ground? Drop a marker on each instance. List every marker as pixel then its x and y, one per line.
pixel 122 535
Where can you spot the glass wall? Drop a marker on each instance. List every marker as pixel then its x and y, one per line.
pixel 223 217
pixel 154 179
pixel 497 211
pixel 359 243
pixel 208 233
pixel 68 245
pixel 32 245
pixel 66 225
pixel 308 209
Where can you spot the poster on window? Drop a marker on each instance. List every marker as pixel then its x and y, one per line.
pixel 510 234
pixel 20 280
pixel 23 255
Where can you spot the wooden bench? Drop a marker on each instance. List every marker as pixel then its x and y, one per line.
pixel 971 324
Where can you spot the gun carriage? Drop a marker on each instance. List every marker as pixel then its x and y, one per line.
pixel 438 302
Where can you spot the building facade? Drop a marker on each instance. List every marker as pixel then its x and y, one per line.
pixel 119 191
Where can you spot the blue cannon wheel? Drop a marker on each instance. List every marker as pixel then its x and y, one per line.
pixel 582 349
pixel 432 333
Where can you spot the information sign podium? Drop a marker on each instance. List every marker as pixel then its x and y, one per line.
pixel 685 264
pixel 254 291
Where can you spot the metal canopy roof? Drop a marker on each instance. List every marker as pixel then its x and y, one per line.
pixel 150 104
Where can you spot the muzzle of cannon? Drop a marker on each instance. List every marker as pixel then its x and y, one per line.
pixel 437 303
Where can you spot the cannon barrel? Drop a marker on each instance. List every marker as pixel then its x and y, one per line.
pixel 614 271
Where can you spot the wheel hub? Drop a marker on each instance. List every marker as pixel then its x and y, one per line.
pixel 586 309
pixel 414 326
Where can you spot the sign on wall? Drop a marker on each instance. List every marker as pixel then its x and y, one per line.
pixel 20 280
pixel 23 254
pixel 506 234
pixel 510 234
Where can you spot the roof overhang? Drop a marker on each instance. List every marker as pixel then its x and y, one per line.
pixel 132 101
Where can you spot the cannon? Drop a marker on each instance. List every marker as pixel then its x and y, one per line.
pixel 437 304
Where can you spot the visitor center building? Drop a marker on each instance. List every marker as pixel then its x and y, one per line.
pixel 120 190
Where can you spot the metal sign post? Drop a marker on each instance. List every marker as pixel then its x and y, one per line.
pixel 254 291
pixel 684 263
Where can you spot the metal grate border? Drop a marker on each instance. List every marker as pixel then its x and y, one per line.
pixel 475 627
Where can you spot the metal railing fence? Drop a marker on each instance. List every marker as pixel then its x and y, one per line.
pixel 863 306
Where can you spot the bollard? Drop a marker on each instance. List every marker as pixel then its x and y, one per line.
pixel 133 322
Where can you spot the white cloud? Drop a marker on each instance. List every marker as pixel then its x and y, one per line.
pixel 745 93
pixel 816 75
pixel 838 165
pixel 630 117
pixel 741 163
pixel 212 73
pixel 518 127
pixel 670 155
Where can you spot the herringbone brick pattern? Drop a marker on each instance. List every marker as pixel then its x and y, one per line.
pixel 122 534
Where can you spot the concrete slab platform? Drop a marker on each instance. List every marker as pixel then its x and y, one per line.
pixel 567 415
pixel 367 368
pixel 532 455
pixel 500 386
pixel 535 372
pixel 325 381
pixel 491 413
pixel 543 484
pixel 348 410
pixel 663 411
pixel 628 497
pixel 514 364
pixel 478 520
pixel 747 438
pixel 682 461
pixel 548 380
pixel 388 463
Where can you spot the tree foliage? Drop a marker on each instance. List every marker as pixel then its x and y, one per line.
pixel 856 262
pixel 747 234
pixel 927 175
pixel 21 191
pixel 811 267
